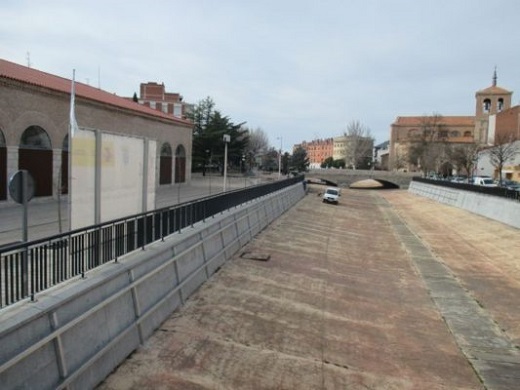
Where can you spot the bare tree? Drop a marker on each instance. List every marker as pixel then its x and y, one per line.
pixel 430 151
pixel 359 144
pixel 505 150
pixel 464 157
pixel 400 158
pixel 258 141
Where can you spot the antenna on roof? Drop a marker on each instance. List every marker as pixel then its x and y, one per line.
pixel 495 77
pixel 28 57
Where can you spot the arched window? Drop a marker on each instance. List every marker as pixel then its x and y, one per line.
pixel 166 150
pixel 467 134
pixel 500 104
pixel 486 105
pixel 180 164
pixel 455 134
pixel 35 155
pixel 34 137
pixel 413 133
pixel 165 164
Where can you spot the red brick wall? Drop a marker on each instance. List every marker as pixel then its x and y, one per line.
pixel 508 123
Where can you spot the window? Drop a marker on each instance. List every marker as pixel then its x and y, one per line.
pixel 34 137
pixel 454 134
pixel 487 105
pixel 413 133
pixel 500 104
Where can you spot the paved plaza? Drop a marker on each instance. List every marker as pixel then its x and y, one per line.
pixel 47 216
pixel 386 290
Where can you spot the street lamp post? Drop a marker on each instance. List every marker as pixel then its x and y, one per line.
pixel 226 140
pixel 244 170
pixel 208 166
pixel 280 158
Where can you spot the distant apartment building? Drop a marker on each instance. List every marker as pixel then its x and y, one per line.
pixel 154 95
pixel 381 153
pixel 343 148
pixel 317 151
pixel 340 148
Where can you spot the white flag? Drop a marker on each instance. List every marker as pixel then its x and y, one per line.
pixel 73 123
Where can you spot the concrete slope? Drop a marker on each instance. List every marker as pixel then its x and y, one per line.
pixel 343 302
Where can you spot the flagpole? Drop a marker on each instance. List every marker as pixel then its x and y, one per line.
pixel 72 126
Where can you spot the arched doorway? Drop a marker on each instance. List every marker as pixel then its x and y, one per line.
pixel 165 164
pixel 180 164
pixel 3 167
pixel 65 165
pixel 35 155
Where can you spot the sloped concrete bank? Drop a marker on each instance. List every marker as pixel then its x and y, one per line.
pixel 499 209
pixel 73 336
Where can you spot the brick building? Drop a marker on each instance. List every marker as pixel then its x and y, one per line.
pixel 34 125
pixel 507 124
pixel 317 151
pixel 490 102
pixel 154 95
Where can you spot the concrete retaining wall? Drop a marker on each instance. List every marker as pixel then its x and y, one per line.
pixel 500 209
pixel 74 335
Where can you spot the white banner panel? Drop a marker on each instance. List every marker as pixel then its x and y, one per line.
pixel 82 179
pixel 152 161
pixel 122 177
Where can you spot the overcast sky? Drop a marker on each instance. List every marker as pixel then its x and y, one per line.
pixel 299 70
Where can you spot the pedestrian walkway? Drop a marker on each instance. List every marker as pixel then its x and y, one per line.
pixel 47 217
pixel 386 290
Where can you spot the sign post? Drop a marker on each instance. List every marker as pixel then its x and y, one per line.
pixel 21 189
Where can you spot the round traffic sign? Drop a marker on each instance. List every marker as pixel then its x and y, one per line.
pixel 16 186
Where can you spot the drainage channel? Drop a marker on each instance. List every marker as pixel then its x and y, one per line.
pixel 491 353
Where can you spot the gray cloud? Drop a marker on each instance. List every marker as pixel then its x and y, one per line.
pixel 297 69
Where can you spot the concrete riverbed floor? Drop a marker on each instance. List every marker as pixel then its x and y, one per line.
pixel 386 290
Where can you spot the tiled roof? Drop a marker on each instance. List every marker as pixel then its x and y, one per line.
pixel 10 70
pixel 494 90
pixel 445 120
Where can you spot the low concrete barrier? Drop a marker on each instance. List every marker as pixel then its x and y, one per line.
pixel 500 209
pixel 74 335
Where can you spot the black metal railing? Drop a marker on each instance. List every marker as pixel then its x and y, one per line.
pixel 494 191
pixel 27 268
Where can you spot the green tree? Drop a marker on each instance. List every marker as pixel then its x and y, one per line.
pixel 299 160
pixel 327 163
pixel 339 163
pixel 286 158
pixel 209 127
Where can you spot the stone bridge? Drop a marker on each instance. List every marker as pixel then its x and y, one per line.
pixel 346 177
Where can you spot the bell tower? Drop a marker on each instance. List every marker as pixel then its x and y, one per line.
pixel 489 101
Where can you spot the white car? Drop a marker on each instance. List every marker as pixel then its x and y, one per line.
pixel 484 181
pixel 331 195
